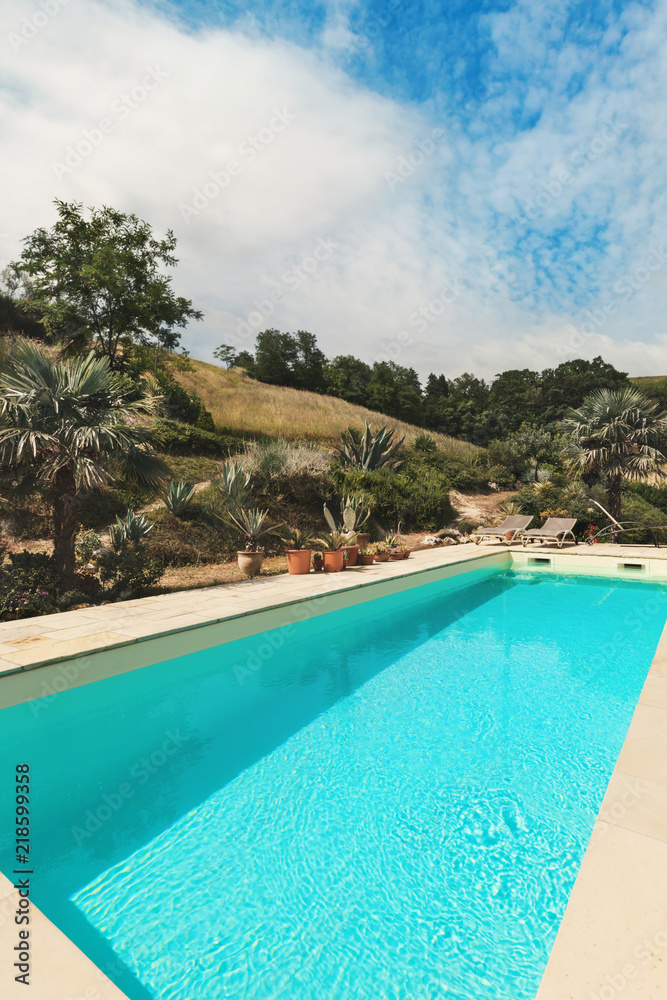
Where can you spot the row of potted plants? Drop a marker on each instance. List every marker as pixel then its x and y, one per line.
pixel 344 545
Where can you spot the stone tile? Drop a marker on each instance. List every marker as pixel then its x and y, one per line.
pixel 659 665
pixel 644 752
pixel 59 971
pixel 613 938
pixel 654 692
pixel 636 804
pixel 6 886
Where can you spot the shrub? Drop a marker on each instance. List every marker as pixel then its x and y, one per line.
pixel 421 503
pixel 33 571
pixel 17 603
pixel 502 476
pixel 205 421
pixel 635 508
pixel 100 507
pixel 425 443
pixel 86 544
pixel 132 569
pixel 467 527
pixel 198 537
pixel 180 438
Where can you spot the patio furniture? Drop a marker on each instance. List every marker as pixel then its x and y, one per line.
pixel 507 531
pixel 554 529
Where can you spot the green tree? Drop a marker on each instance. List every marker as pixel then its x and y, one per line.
pixel 308 366
pixel 348 378
pixel 532 443
pixel 63 430
pixel 275 356
pixel 616 435
pixel 98 280
pixel 225 354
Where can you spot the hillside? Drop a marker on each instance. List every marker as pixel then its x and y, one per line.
pixel 241 405
pixel 645 381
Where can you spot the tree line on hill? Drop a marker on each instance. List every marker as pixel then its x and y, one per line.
pixel 464 407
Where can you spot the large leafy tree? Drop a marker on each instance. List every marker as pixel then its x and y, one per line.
pixel 64 430
pixel 617 434
pixel 99 280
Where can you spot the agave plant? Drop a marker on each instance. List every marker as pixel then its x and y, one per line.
pixel 333 541
pixel 133 529
pixel 233 482
pixel 353 516
pixel 510 507
pixel 178 496
pixel 251 522
pixel 371 451
pixel 297 538
pixel 354 512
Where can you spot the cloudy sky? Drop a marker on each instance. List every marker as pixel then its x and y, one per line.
pixel 465 185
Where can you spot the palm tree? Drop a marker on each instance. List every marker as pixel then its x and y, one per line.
pixel 617 434
pixel 63 429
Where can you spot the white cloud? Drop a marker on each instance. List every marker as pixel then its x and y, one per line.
pixel 322 149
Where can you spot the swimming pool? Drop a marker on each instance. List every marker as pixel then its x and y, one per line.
pixel 390 801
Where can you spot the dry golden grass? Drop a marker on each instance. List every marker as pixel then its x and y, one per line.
pixel 240 405
pixel 191 577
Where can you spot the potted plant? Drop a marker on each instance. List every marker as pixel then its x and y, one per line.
pixel 380 551
pixel 318 562
pixel 346 532
pixel 251 522
pixel 355 515
pixel 404 550
pixel 333 555
pixel 366 556
pixel 299 551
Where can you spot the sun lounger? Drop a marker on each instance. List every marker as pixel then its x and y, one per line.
pixel 555 530
pixel 508 530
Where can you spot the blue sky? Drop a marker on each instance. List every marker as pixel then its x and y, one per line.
pixel 483 183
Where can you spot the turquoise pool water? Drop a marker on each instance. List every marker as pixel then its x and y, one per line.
pixel 388 803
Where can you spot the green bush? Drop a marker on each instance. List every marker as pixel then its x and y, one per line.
pixel 420 503
pixel 635 508
pixel 656 496
pixel 32 571
pixel 132 569
pixel 197 537
pixel 182 439
pixel 502 476
pixel 98 508
pixel 205 421
pixel 425 443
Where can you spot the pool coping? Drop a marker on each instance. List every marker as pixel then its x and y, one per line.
pixel 611 936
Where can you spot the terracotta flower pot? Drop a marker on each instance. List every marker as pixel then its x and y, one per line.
pixel 406 553
pixel 298 561
pixel 366 560
pixel 381 556
pixel 333 561
pixel 396 554
pixel 318 564
pixel 250 563
pixel 363 539
pixel 352 554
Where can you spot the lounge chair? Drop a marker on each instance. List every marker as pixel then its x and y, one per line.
pixel 555 530
pixel 508 530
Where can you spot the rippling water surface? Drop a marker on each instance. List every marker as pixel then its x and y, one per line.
pixel 385 803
